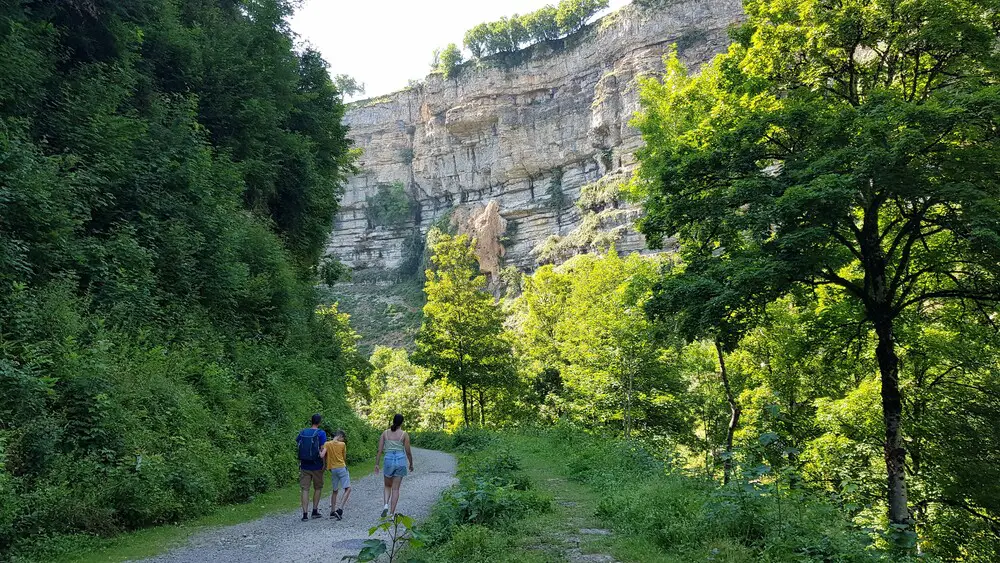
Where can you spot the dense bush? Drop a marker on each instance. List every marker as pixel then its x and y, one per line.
pixel 493 491
pixel 432 440
pixel 168 178
pixel 389 206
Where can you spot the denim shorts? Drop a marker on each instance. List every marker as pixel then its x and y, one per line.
pixel 394 464
pixel 340 478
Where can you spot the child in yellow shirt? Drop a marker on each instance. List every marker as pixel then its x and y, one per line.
pixel 335 455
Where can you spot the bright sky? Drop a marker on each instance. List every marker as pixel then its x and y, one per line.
pixel 386 43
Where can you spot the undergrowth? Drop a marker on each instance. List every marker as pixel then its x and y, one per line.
pixel 654 510
pixel 476 519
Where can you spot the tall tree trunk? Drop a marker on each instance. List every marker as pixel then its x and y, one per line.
pixel 892 414
pixel 879 308
pixel 734 418
pixel 465 407
pixel 482 409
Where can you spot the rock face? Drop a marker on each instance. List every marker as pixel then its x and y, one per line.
pixel 526 132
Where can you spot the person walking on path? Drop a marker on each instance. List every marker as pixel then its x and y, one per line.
pixel 335 455
pixel 310 442
pixel 396 445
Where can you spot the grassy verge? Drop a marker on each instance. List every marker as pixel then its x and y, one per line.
pixel 154 541
pixel 561 495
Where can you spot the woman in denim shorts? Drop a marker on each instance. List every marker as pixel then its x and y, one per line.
pixel 396 445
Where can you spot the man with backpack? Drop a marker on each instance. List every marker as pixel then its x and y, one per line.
pixel 310 442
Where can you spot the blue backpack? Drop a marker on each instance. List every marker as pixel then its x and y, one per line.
pixel 308 445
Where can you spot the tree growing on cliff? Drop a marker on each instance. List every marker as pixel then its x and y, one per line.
pixel 449 59
pixel 572 15
pixel 851 144
pixel 507 35
pixel 462 337
pixel 348 86
pixel 475 40
pixel 541 24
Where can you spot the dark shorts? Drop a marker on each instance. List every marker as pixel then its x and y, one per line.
pixel 312 477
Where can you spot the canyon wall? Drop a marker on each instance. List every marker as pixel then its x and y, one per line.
pixel 527 130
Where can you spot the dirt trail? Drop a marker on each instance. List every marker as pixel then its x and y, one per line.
pixel 284 537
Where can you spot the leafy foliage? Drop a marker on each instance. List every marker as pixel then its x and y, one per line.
pixel 588 351
pixel 848 144
pixel 493 491
pixel 168 178
pixel 507 35
pixel 397 386
pixel 462 339
pixel 389 206
pixel 449 60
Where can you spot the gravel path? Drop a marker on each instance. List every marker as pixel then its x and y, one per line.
pixel 284 537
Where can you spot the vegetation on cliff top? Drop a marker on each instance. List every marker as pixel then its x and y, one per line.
pixel 509 34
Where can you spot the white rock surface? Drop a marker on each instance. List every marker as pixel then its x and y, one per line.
pixel 502 132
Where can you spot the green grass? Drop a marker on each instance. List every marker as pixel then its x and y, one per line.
pixel 154 541
pixel 616 499
pixel 535 536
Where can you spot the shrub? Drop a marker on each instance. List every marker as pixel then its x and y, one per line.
pixel 750 520
pixel 488 502
pixel 389 206
pixel 432 440
pixel 470 439
pixel 493 491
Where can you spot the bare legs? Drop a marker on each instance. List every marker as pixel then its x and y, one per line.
pixel 390 493
pixel 394 494
pixel 343 501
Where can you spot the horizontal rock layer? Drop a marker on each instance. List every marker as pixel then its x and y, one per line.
pixel 509 130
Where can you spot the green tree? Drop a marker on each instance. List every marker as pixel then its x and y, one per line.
pixel 475 40
pixel 572 15
pixel 389 206
pixel 706 302
pixel 462 337
pixel 348 86
pixel 589 351
pixel 849 144
pixel 397 386
pixel 541 24
pixel 449 60
pixel 608 341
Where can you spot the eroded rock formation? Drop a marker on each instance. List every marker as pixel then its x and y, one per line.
pixel 526 134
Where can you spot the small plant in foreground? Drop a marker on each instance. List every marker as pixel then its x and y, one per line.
pixel 402 534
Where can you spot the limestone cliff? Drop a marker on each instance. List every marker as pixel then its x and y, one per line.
pixel 526 133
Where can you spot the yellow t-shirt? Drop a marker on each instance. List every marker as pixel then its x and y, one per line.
pixel 336 453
